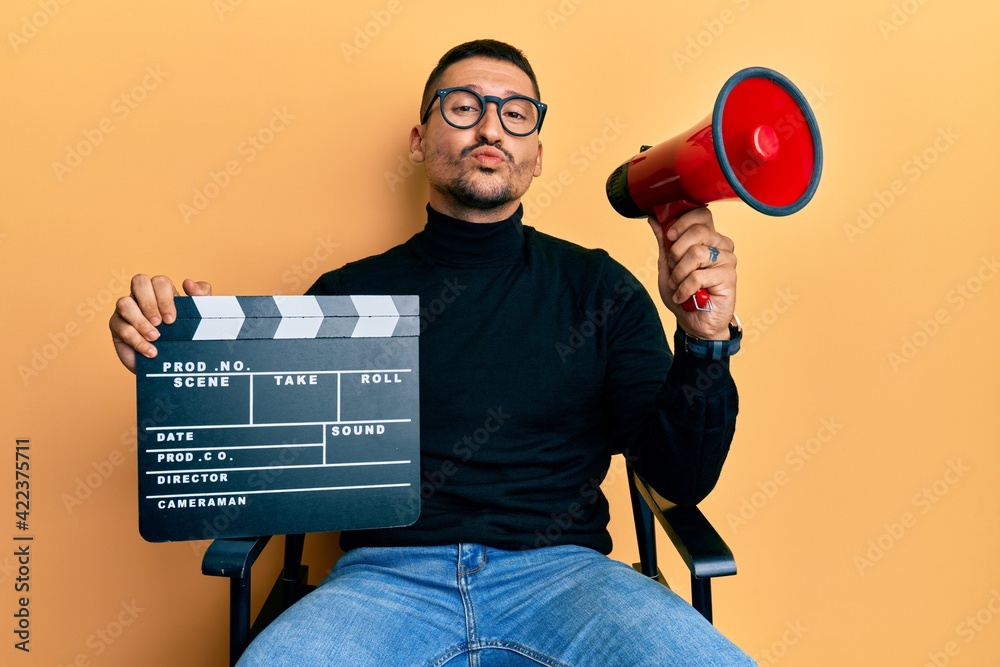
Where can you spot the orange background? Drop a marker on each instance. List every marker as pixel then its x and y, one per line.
pixel 861 493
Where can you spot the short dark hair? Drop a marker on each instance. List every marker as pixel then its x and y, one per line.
pixel 480 48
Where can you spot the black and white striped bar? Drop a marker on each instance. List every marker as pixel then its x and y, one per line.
pixel 267 415
pixel 249 317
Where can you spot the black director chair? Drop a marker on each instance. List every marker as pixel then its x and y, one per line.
pixel 697 542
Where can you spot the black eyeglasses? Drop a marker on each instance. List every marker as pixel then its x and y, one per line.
pixel 462 108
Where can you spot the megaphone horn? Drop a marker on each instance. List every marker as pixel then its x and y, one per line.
pixel 760 144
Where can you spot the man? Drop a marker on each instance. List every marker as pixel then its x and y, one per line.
pixel 506 564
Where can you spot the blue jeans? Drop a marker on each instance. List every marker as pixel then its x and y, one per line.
pixel 470 605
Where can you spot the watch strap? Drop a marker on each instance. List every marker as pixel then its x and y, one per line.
pixel 713 350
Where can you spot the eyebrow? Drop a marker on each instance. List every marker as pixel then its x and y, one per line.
pixel 507 93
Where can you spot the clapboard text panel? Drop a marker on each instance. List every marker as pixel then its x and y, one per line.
pixel 267 415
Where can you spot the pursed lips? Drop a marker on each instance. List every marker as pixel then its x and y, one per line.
pixel 488 156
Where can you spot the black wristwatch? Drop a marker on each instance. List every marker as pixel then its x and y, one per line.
pixel 713 350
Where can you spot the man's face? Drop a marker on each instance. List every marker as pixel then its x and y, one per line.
pixel 480 173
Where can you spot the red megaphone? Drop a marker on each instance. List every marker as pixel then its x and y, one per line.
pixel 760 144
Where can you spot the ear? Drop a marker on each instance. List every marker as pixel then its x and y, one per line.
pixel 417 144
pixel 538 161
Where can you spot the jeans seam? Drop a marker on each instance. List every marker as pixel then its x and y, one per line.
pixel 448 655
pixel 522 650
pixel 470 615
pixel 513 647
pixel 485 559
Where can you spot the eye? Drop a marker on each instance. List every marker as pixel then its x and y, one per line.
pixel 462 104
pixel 519 111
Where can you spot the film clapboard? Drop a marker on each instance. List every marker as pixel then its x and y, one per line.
pixel 264 415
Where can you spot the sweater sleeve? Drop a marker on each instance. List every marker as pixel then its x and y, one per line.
pixel 327 284
pixel 673 416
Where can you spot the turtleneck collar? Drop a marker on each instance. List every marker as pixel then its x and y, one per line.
pixel 460 243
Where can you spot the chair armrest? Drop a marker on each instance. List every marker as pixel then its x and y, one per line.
pixel 232 557
pixel 696 540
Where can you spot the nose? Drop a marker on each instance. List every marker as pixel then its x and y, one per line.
pixel 490 128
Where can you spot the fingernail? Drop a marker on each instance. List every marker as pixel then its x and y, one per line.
pixel 153 335
pixel 168 318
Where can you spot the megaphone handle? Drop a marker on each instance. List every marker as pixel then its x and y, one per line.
pixel 668 215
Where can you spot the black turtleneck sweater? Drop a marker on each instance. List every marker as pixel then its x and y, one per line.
pixel 539 359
